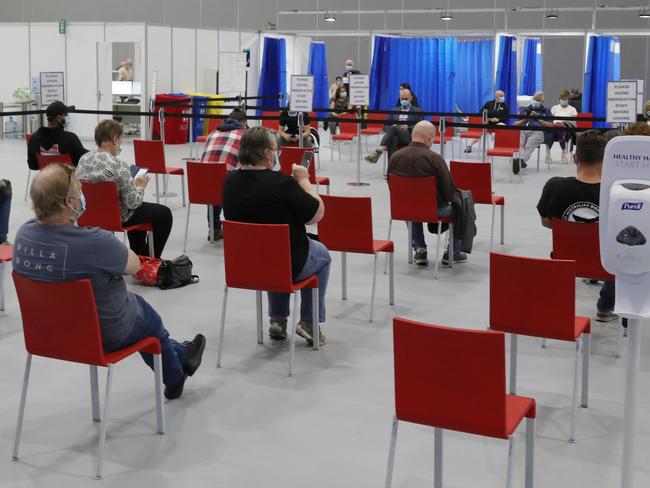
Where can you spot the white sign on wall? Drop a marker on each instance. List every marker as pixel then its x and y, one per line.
pixel 621 101
pixel 302 93
pixel 232 72
pixel 52 87
pixel 359 90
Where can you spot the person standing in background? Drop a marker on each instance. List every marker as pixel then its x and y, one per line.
pixel 349 70
pixel 125 70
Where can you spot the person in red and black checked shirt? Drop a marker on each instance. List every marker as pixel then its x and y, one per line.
pixel 222 146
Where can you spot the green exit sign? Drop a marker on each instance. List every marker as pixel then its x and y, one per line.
pixel 62 23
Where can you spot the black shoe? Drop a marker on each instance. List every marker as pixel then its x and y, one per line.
pixel 218 234
pixel 420 257
pixel 172 393
pixel 468 149
pixel 515 165
pixel 459 257
pixel 523 163
pixel 195 350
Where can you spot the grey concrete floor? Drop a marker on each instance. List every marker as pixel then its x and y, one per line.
pixel 248 424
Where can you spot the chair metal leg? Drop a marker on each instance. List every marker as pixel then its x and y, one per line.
pixel 410 242
pixel 210 219
pixel 510 468
pixel 165 188
pixel 544 343
pixel 21 409
pixel 160 406
pixel 574 406
pixel 152 252
pixel 586 350
pixel 619 333
pixel 503 223
pixel 104 422
pixel 513 364
pixel 94 394
pixel 391 453
pixel 539 151
pixel 438 251
pixel 258 315
pixel 29 176
pixel 183 188
pixel 492 228
pixel 157 190
pixel 451 245
pixel 2 286
pixel 328 189
pixel 292 340
pixel 223 324
pixel 390 227
pixel 437 457
pixel 344 276
pixel 530 453
pixel 374 285
pixel 315 319
pixel 391 280
pixel 187 225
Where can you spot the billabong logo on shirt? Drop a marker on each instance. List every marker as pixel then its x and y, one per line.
pixel 632 206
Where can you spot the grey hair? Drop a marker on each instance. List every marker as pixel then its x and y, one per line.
pixel 538 93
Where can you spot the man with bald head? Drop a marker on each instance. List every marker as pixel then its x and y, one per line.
pixel 418 160
pixel 497 113
pixel 349 70
pixel 53 248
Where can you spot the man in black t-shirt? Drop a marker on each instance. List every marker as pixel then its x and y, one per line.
pixel 576 199
pixel 54 139
pixel 257 194
pixel 289 128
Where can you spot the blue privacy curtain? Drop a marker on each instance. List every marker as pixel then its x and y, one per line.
pixel 428 64
pixel 506 78
pixel 603 65
pixel 474 78
pixel 531 68
pixel 318 69
pixel 273 75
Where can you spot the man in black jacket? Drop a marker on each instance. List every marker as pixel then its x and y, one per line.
pixel 54 139
pixel 497 113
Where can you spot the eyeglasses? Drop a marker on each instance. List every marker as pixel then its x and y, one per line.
pixel 69 170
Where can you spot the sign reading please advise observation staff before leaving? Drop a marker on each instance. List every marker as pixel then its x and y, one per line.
pixel 621 101
pixel 302 93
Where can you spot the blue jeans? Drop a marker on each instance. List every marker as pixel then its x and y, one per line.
pixel 217 217
pixel 607 297
pixel 318 263
pixel 174 354
pixel 417 231
pixel 5 208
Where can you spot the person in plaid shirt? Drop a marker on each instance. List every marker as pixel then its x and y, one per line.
pixel 222 146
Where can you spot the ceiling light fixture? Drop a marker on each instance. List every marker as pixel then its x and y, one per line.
pixel 644 13
pixel 446 16
pixel 552 13
pixel 330 17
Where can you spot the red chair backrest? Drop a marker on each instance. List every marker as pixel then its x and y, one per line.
pixel 450 378
pixel 205 182
pixel 28 137
pixel 293 155
pixel 534 297
pixel 348 128
pixel 585 124
pixel 150 155
pixel 102 206
pixel 475 177
pixel 506 139
pixel 579 242
pixel 211 125
pixel 373 116
pixel 57 327
pixel 413 199
pixel 43 159
pixel 271 124
pixel 257 256
pixel 449 131
pixel 347 224
pixel 312 120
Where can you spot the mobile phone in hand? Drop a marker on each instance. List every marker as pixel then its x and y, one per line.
pixel 307 158
pixel 136 171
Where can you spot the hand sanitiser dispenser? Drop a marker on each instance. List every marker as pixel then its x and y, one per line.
pixel 625 253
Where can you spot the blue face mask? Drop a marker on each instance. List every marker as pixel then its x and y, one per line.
pixel 501 100
pixel 536 104
pixel 405 103
pixel 344 94
pixel 276 164
pixel 564 102
pixel 648 113
pixel 82 199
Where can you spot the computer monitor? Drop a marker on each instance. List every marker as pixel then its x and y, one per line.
pixel 122 88
pixel 136 88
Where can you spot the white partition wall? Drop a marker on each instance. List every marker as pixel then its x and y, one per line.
pixel 16 57
pixel 47 49
pixel 81 44
pixel 159 56
pixel 207 59
pixel 251 40
pixel 183 60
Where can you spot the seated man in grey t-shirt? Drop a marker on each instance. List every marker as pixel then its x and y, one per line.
pixel 53 248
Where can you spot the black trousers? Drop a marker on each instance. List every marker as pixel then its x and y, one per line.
pixel 160 218
pixel 394 138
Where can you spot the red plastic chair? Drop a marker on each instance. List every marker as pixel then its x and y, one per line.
pixel 536 297
pixel 477 177
pixel 204 187
pixel 103 211
pixel 312 120
pixel 44 160
pixel 414 199
pixel 55 329
pixel 473 133
pixel 293 155
pixel 151 155
pixel 506 144
pixel 258 257
pixel 6 251
pixel 455 379
pixel 373 129
pixel 347 132
pixel 347 227
pixel 581 124
pixel 274 125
